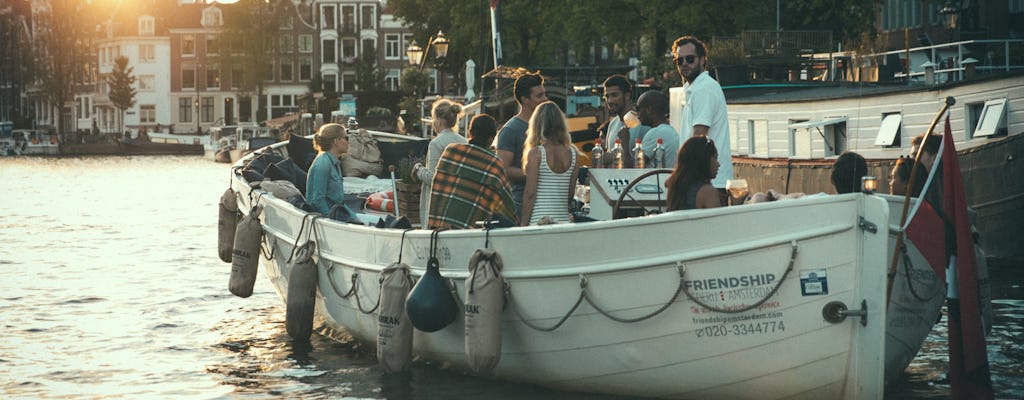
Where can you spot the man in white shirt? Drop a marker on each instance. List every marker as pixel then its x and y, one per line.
pixel 704 112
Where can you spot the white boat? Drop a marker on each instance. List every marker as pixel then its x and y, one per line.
pixel 665 264
pixel 785 137
pixel 166 137
pixel 231 142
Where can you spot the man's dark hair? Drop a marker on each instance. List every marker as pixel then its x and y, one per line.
pixel 654 99
pixel 524 84
pixel 482 129
pixel 847 172
pixel 620 82
pixel 931 143
pixel 702 50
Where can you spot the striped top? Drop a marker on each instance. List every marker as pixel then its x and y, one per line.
pixel 552 191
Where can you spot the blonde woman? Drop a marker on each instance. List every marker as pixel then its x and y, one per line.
pixel 445 115
pixel 550 165
pixel 325 189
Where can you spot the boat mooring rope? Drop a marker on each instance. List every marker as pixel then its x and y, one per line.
pixel 792 260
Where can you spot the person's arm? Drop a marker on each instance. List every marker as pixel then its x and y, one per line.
pixel 575 174
pixel 532 180
pixel 426 173
pixel 627 147
pixel 707 197
pixel 700 130
pixel 316 187
pixel 514 174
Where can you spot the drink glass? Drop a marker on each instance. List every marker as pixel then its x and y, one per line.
pixel 737 190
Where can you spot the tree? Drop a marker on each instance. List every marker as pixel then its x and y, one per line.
pixel 62 46
pixel 368 75
pixel 122 90
pixel 251 29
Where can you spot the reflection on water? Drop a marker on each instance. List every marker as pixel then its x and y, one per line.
pixel 112 288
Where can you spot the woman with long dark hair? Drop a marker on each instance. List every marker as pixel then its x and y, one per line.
pixel 689 186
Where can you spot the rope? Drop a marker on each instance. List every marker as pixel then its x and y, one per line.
pixel 334 285
pixel 508 295
pixel 359 303
pixel 664 307
pixel 268 254
pixel 907 266
pixel 302 227
pixel 792 260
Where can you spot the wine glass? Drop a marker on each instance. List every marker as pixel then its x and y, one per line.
pixel 737 190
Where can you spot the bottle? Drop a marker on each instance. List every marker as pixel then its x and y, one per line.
pixel 638 154
pixel 597 155
pixel 658 155
pixel 617 154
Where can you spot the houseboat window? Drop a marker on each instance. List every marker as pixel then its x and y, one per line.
pixel 889 132
pixel 993 119
pixel 802 134
pixel 972 113
pixel 799 138
pixel 758 137
pixel 734 135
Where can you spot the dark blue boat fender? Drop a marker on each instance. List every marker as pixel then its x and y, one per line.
pixel 484 304
pixel 302 285
pixel 227 222
pixel 245 255
pixel 394 329
pixel 430 305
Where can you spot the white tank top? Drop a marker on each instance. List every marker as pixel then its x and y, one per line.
pixel 552 191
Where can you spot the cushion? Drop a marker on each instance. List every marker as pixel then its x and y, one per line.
pixel 287 170
pixel 301 151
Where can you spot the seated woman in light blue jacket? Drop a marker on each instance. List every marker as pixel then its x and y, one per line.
pixel 325 189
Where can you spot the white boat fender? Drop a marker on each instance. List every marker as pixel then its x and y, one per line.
pixel 246 254
pixel 430 305
pixel 227 221
pixel 302 285
pixel 394 329
pixel 484 304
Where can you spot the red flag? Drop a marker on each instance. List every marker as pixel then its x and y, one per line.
pixel 944 237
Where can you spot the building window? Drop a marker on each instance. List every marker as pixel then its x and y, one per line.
pixel 899 14
pixel 212 78
pixel 188 77
pixel 348 19
pixel 275 100
pixel 147 114
pixel 391 80
pixel 146 25
pixel 758 137
pixel 285 44
pixel 305 43
pixel 348 50
pixel 369 46
pixel 368 17
pixel 147 53
pixel 889 132
pixel 328 17
pixel 185 109
pixel 286 71
pixel 188 45
pixel 328 50
pixel 1016 6
pixel 207 109
pixel 212 45
pixel 147 83
pixel 305 69
pixel 330 83
pixel 236 78
pixel 348 83
pixel 406 40
pixel 392 51
pixel 212 17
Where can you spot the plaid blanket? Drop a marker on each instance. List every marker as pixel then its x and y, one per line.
pixel 469 185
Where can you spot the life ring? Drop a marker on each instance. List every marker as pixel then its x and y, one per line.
pixel 382 201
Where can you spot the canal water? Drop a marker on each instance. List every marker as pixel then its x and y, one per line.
pixel 111 288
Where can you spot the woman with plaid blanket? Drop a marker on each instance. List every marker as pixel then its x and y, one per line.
pixel 469 184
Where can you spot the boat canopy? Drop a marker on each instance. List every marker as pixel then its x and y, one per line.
pixel 818 123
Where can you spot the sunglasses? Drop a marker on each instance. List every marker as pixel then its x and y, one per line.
pixel 690 59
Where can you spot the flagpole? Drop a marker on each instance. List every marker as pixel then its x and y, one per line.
pixel 906 198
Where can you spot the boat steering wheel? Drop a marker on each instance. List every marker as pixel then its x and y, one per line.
pixel 632 200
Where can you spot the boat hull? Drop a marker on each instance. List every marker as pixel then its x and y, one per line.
pixel 782 349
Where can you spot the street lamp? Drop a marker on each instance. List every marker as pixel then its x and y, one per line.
pixel 418 56
pixel 952 14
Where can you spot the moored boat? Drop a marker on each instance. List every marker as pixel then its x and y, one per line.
pixel 669 303
pixel 785 137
